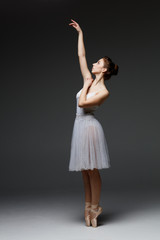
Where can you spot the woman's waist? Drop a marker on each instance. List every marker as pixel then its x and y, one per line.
pixel 84 111
pixel 85 115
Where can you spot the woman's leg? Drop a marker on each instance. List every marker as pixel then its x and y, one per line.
pixel 87 186
pixel 95 181
pixel 92 183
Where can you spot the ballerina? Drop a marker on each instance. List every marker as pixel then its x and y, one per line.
pixel 89 149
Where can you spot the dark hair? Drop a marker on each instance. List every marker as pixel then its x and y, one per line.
pixel 112 68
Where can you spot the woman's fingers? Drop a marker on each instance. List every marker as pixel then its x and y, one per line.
pixel 73 24
pixel 74 21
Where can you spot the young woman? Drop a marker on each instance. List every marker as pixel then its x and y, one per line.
pixel 89 150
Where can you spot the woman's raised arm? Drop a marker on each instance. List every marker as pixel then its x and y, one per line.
pixel 81 52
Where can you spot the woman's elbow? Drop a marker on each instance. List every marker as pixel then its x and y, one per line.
pixel 80 104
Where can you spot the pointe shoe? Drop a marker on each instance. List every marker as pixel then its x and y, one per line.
pixel 87 213
pixel 94 214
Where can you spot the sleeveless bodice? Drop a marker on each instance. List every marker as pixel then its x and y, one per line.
pixel 89 149
pixel 87 110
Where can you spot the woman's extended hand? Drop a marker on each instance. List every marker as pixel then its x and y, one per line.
pixel 88 82
pixel 75 25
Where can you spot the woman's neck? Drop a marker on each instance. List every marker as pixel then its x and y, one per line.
pixel 98 83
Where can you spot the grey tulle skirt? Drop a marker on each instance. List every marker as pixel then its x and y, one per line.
pixel 89 148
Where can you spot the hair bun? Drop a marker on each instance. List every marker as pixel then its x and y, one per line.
pixel 112 68
pixel 115 72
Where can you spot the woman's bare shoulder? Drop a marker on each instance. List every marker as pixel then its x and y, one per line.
pixel 104 91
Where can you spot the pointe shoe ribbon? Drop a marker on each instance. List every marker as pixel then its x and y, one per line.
pixel 94 214
pixel 87 214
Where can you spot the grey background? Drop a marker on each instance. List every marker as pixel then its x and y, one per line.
pixel 40 77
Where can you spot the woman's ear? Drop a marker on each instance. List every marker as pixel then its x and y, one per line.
pixel 104 70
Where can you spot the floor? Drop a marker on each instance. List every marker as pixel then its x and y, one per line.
pixel 126 215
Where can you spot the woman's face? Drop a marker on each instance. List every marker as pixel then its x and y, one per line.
pixel 98 67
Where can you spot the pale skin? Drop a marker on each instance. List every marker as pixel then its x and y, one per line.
pixel 91 178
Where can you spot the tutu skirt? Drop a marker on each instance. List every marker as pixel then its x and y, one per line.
pixel 89 148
